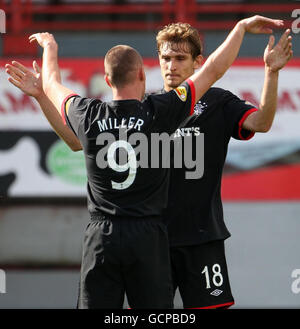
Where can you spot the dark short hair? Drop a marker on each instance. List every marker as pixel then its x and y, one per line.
pixel 121 63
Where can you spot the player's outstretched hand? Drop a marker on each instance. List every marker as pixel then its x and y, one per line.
pixel 276 57
pixel 43 39
pixel 21 77
pixel 260 24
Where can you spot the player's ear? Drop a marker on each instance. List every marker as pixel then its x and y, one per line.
pixel 198 61
pixel 141 74
pixel 107 80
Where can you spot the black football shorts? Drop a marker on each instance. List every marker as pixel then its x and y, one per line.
pixel 200 274
pixel 125 256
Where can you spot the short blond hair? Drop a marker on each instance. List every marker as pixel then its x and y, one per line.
pixel 180 33
pixel 121 63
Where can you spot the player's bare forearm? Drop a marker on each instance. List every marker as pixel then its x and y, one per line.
pixel 51 77
pixel 261 120
pixel 30 83
pixel 275 59
pixel 221 59
pixel 268 102
pixel 50 68
pixel 50 71
pixel 54 118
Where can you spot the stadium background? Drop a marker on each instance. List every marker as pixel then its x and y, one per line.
pixel 42 184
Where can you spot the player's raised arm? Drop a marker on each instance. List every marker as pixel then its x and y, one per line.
pixel 52 86
pixel 31 84
pixel 221 59
pixel 275 59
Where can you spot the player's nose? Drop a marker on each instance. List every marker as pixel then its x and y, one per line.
pixel 172 65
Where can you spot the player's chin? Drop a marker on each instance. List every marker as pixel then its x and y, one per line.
pixel 173 83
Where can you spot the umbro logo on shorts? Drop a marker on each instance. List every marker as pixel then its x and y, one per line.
pixel 216 292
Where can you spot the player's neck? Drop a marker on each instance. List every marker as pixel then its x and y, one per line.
pixel 128 92
pixel 167 88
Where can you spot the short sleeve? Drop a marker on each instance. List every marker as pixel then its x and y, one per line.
pixel 236 112
pixel 78 112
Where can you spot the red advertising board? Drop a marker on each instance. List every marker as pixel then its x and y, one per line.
pixel 265 168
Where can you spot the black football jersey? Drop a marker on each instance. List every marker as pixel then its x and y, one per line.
pixel 106 129
pixel 194 213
